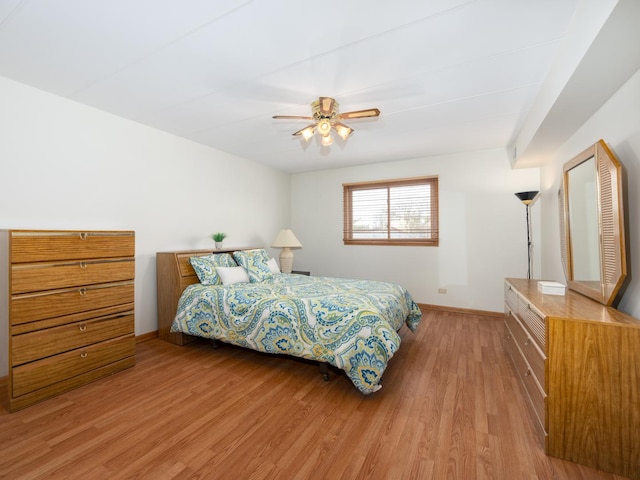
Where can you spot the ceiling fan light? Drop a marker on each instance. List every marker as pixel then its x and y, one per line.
pixel 326 140
pixel 344 131
pixel 324 127
pixel 307 133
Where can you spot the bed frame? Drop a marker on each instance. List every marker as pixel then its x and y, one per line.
pixel 174 273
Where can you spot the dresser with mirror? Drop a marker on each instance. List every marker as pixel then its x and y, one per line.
pixel 576 357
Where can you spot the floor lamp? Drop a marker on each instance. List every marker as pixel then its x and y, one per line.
pixel 527 198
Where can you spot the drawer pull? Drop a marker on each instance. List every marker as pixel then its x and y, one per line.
pixel 83 264
pixel 83 327
pixel 508 336
pixel 83 235
pixel 528 372
pixel 527 341
pixel 83 292
pixel 83 355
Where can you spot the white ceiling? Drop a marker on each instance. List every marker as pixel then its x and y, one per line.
pixel 447 75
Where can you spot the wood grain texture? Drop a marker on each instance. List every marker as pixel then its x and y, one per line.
pixel 58 303
pixel 48 276
pixel 450 408
pixel 33 376
pixel 50 341
pixel 43 246
pixel 70 312
pixel 171 282
pixel 594 401
pixel 592 372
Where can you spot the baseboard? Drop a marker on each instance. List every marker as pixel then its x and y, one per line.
pixel 146 336
pixel 469 311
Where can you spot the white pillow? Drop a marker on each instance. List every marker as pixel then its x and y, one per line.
pixel 273 265
pixel 231 275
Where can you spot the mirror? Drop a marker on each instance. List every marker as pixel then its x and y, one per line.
pixel 583 222
pixel 591 224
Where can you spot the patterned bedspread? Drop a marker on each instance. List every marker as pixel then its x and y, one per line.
pixel 351 324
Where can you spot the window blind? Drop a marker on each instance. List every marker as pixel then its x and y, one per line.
pixel 395 212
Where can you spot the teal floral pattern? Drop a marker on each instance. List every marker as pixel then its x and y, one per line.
pixel 205 267
pixel 351 324
pixel 255 263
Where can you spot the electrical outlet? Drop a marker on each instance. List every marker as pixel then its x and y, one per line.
pixel 442 290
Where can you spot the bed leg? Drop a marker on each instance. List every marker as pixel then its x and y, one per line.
pixel 215 344
pixel 324 370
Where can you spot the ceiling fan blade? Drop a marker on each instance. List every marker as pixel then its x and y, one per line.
pixel 327 105
pixel 371 112
pixel 292 117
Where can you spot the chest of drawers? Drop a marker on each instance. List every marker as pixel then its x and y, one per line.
pixel 67 309
pixel 578 363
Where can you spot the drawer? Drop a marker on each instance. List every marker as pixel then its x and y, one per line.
pixel 48 276
pixel 37 306
pixel 122 309
pixel 42 373
pixel 42 246
pixel 532 353
pixel 534 396
pixel 51 341
pixel 510 297
pixel 533 321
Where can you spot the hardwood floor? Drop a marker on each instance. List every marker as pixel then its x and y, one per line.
pixel 450 408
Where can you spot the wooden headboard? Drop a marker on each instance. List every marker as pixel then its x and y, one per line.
pixel 174 274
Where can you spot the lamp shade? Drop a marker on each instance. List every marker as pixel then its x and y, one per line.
pixel 527 197
pixel 326 140
pixel 343 130
pixel 308 132
pixel 286 239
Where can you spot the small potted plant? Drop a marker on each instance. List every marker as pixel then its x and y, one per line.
pixel 219 238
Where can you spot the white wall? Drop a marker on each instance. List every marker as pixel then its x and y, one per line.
pixel 617 122
pixel 482 238
pixel 67 166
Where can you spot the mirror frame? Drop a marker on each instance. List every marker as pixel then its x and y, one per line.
pixel 613 262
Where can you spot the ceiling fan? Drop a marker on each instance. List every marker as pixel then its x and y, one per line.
pixel 325 117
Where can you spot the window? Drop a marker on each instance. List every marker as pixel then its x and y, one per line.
pixel 391 212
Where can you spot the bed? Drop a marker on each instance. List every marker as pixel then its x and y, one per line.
pixel 348 323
